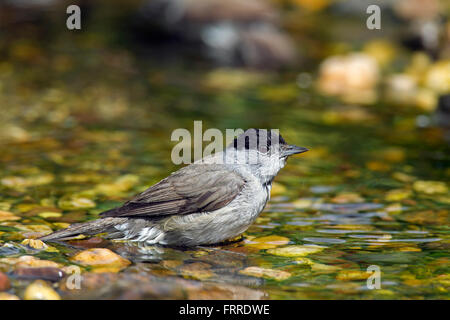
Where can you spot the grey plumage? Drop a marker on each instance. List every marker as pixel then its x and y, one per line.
pixel 206 202
pixel 188 190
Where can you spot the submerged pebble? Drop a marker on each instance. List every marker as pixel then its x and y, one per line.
pixel 75 203
pixel 8 296
pixel 40 290
pixel 35 244
pixel 101 258
pixel 348 275
pixel 29 262
pixel 296 250
pixel 430 187
pixel 267 242
pixel 278 275
pixel 44 273
pixel 4 282
pixel 197 270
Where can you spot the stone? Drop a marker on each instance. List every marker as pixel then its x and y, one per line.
pixel 267 242
pixel 101 258
pixel 197 270
pixel 8 216
pixel 43 273
pixel 348 275
pixel 8 296
pixel 295 250
pixel 4 282
pixel 76 203
pixel 398 194
pixel 40 290
pixel 430 187
pixel 35 244
pixel 278 275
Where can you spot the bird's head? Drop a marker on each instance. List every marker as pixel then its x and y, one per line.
pixel 265 151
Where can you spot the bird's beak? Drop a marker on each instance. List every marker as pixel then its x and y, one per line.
pixel 291 149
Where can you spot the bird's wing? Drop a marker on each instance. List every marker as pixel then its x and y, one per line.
pixel 195 188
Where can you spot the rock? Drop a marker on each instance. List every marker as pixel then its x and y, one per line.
pixel 347 197
pixel 32 262
pixel 277 189
pixel 382 51
pixel 304 261
pixel 391 154
pixel 49 214
pixel 398 194
pixel 75 203
pixel 394 208
pixel 438 77
pixel 40 290
pixel 296 250
pixel 348 114
pixel 43 273
pixel 267 242
pixel 323 268
pixel 171 264
pixel 344 287
pixel 380 166
pixel 220 291
pixel 121 185
pixel 227 79
pixel 430 217
pixel 18 183
pixel 4 282
pixel 93 242
pixel 35 244
pixel 352 77
pixel 403 177
pixel 401 89
pixel 8 216
pixel 303 203
pixel 34 230
pixel 266 273
pixel 8 296
pixel 230 32
pixel 348 275
pixel 430 187
pixel 417 9
pixel 101 258
pixel 144 286
pixel 61 225
pixel 197 270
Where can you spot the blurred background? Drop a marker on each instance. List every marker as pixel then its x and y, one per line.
pixel 86 115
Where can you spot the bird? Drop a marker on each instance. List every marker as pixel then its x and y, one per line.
pixel 209 201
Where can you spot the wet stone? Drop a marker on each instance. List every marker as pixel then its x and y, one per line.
pixel 93 242
pixel 40 290
pixel 33 262
pixel 8 296
pixel 4 282
pixel 35 244
pixel 101 258
pixel 266 273
pixel 43 273
pixel 296 250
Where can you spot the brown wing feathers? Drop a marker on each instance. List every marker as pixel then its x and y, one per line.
pixel 189 190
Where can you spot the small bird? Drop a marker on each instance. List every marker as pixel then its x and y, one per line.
pixel 212 200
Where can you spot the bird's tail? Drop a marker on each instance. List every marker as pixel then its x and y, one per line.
pixel 86 228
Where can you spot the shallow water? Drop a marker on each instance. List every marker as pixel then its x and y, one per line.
pixel 78 140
